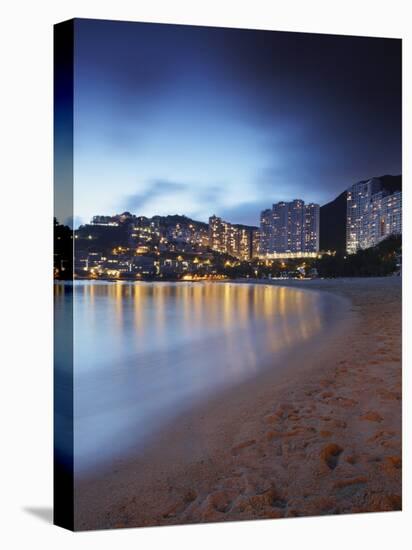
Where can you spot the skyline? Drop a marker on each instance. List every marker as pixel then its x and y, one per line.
pixel 237 117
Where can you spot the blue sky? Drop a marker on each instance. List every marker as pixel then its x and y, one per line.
pixel 195 120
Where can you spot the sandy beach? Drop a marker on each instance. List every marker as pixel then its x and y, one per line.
pixel 322 437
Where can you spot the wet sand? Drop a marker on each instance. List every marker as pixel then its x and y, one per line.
pixel 321 437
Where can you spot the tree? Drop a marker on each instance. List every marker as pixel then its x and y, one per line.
pixel 376 261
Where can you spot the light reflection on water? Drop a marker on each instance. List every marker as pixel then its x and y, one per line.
pixel 145 352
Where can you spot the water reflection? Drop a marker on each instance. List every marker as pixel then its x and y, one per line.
pixel 144 352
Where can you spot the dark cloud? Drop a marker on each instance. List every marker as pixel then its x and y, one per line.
pixel 321 111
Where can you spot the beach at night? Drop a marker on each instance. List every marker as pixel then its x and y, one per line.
pixel 321 436
pixel 227 274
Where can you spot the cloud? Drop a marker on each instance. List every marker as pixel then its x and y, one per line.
pixel 196 197
pixel 210 195
pixel 247 213
pixel 157 188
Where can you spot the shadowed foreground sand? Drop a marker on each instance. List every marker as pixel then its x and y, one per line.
pixel 325 439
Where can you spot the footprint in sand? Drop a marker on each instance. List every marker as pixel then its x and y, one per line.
pixel 221 501
pixel 271 418
pixel 346 402
pixel 270 498
pixel 325 383
pixel 330 454
pixel 372 416
pixel 327 394
pixel 381 435
pixel 238 448
pixel 343 483
pixel 389 395
pixel 182 503
pixel 394 461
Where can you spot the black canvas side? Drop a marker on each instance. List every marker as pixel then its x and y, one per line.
pixel 63 496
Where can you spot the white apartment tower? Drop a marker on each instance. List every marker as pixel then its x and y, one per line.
pixel 372 214
pixel 290 228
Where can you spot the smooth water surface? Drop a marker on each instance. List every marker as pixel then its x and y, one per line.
pixel 146 352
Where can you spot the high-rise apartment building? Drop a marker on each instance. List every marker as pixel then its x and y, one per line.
pixel 265 233
pixel 373 213
pixel 236 240
pixel 311 229
pixel 289 228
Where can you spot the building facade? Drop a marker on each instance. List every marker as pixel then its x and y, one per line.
pixel 236 240
pixel 311 229
pixel 265 233
pixel 289 228
pixel 373 214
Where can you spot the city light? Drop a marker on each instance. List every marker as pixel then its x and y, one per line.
pixel 286 244
pixel 373 213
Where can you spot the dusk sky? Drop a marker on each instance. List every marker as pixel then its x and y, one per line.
pixel 196 120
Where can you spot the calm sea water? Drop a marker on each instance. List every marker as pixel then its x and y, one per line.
pixel 146 352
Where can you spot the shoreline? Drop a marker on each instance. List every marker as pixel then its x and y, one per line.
pixel 324 440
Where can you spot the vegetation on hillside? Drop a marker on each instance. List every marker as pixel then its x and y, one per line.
pixel 382 259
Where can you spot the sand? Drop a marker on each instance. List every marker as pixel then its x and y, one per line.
pixel 322 438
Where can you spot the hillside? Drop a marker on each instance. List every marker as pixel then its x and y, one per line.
pixel 332 224
pixel 172 220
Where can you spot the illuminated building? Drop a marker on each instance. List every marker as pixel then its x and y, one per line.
pixel 144 232
pixel 245 241
pixel 289 228
pixel 112 220
pixel 233 239
pixel 311 227
pixel 188 233
pixel 217 234
pixel 372 214
pixel 105 221
pixel 144 265
pixel 265 235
